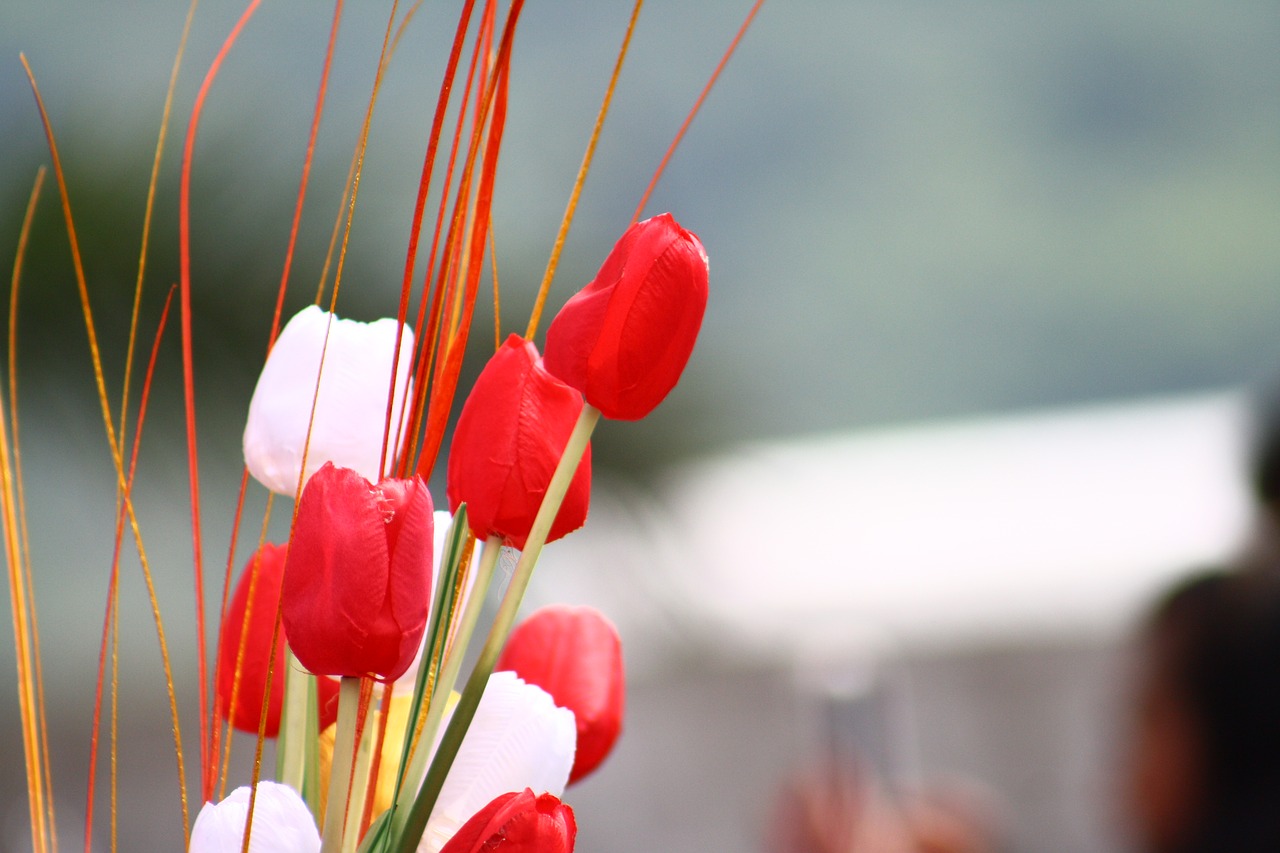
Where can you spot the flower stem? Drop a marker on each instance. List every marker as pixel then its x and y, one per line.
pixel 416 820
pixel 344 746
pixel 291 760
pixel 360 791
pixel 449 672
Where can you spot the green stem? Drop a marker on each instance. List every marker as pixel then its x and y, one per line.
pixel 416 821
pixel 449 673
pixel 355 804
pixel 344 747
pixel 291 748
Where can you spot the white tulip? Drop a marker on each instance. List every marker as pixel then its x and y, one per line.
pixel 518 739
pixel 281 823
pixel 350 409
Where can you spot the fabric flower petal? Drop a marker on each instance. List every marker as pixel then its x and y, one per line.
pixel 517 739
pixel 281 823
pixel 350 409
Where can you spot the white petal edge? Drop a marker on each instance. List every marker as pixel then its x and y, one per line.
pixel 351 405
pixel 518 739
pixel 281 823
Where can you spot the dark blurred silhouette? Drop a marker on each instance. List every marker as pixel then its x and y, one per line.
pixel 1204 771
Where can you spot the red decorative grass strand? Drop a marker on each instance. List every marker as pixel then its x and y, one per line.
pixel 494 100
pixel 697 105
pixel 113 585
pixel 188 378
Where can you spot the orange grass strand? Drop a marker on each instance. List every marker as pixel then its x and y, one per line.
pixel 422 343
pixel 241 646
pixel 23 615
pixel 383 60
pixel 276 639
pixel 105 403
pixel 351 172
pixel 443 390
pixel 430 341
pixel 275 629
pixel 447 372
pixel 147 215
pixel 361 148
pixel 41 715
pixel 211 771
pixel 115 727
pixel 113 616
pixel 497 299
pixel 697 105
pixel 544 288
pixel 337 281
pixel 36 792
pixel 404 25
pixel 188 377
pixel 306 170
pixel 215 746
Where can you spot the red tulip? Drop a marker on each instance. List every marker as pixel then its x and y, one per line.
pixel 517 823
pixel 358 577
pixel 574 654
pixel 267 564
pixel 509 439
pixel 624 339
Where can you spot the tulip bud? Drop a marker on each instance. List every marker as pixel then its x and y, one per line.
pixel 281 823
pixel 267 565
pixel 575 654
pixel 510 436
pixel 518 823
pixel 624 339
pixel 358 577
pixel 350 408
pixel 517 738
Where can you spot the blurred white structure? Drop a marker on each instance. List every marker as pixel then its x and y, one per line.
pixel 945 599
pixel 1004 528
pixel 1000 529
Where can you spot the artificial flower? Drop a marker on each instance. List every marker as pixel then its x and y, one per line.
pixel 510 436
pixel 574 654
pixel 281 823
pixel 267 566
pixel 518 822
pixel 350 407
pixel 517 739
pixel 624 339
pixel 358 576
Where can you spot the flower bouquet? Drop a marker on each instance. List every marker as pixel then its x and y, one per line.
pixel 345 644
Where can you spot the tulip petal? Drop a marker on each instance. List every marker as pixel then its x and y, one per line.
pixel 575 654
pixel 410 536
pixel 624 339
pixel 518 822
pixel 350 409
pixel 517 739
pixel 510 436
pixel 267 564
pixel 281 823
pixel 340 527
